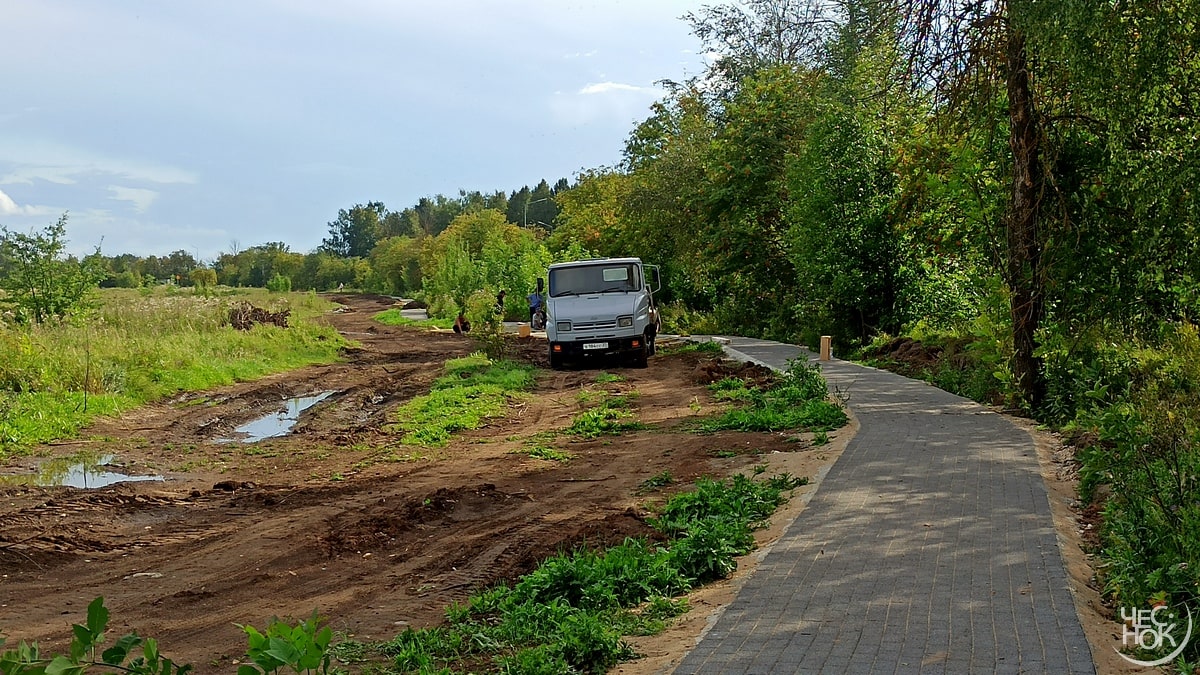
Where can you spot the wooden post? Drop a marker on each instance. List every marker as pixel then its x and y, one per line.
pixel 826 347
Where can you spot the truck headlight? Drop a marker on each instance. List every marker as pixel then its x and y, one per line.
pixel 563 326
pixel 625 321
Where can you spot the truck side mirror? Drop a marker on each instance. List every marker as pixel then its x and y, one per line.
pixel 655 280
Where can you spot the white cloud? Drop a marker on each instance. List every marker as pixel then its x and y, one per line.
pixel 8 207
pixel 617 87
pixel 141 198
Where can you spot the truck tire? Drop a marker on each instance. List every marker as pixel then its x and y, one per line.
pixel 556 360
pixel 641 357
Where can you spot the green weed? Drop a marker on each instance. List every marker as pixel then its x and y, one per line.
pixel 706 347
pixel 473 389
pixel 541 451
pixel 303 648
pixel 569 614
pixel 656 481
pixel 602 421
pixel 797 400
pixel 82 654
pixel 393 317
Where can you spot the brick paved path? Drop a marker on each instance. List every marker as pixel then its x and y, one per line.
pixel 928 548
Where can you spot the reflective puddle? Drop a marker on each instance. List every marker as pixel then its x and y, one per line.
pixel 77 472
pixel 277 423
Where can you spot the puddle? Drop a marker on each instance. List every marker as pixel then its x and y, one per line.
pixel 74 472
pixel 277 423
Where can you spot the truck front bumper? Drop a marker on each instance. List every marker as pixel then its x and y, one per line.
pixel 573 349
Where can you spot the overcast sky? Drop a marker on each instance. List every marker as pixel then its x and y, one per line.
pixel 207 124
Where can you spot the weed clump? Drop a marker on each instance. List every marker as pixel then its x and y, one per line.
pixel 797 400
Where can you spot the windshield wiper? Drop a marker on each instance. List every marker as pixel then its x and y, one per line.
pixel 615 289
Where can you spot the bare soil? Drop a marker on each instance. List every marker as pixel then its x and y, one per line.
pixel 338 516
pixel 377 536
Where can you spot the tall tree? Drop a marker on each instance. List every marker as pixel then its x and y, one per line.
pixel 974 53
pixel 355 231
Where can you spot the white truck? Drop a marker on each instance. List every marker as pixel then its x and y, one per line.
pixel 599 307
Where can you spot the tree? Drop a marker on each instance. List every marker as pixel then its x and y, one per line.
pixel 203 278
pixel 40 281
pixel 355 231
pixel 975 53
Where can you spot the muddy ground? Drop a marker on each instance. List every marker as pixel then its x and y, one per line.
pixel 378 536
pixel 339 516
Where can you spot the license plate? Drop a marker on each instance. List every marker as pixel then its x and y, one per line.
pixel 595 345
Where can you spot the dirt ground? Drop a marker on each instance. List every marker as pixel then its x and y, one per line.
pixel 338 516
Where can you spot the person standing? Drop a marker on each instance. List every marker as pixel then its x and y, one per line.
pixel 535 306
pixel 500 303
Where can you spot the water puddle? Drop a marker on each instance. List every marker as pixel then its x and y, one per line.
pixel 277 423
pixel 77 472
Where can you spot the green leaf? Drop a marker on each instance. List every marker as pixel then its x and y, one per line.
pixel 116 654
pixel 62 665
pixel 97 618
pixel 247 669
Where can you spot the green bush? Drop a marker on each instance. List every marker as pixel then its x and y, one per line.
pixel 1140 427
pixel 279 284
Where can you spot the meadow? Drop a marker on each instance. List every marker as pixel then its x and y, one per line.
pixel 140 345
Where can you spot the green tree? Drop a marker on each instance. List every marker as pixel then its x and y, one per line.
pixel 396 265
pixel 356 230
pixel 842 243
pixel 481 252
pixel 40 281
pixel 204 278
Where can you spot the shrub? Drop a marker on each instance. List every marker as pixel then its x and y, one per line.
pixel 279 284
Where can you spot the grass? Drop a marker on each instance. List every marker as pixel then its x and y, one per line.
pixel 393 317
pixel 797 400
pixel 473 389
pixel 142 346
pixel 602 421
pixel 707 347
pixel 572 613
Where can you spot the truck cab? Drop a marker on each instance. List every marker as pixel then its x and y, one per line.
pixel 601 307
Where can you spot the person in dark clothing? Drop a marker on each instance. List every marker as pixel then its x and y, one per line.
pixel 461 325
pixel 500 302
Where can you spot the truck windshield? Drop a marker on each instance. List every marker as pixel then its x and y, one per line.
pixel 594 279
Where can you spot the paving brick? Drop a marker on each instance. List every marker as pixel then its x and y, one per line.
pixel 928 548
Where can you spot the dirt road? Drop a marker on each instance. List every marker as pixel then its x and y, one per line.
pixel 339 516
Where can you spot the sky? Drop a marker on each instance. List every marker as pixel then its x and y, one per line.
pixel 214 125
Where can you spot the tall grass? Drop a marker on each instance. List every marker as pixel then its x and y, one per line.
pixel 141 346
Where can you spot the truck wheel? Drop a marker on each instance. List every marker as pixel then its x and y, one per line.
pixel 556 359
pixel 641 357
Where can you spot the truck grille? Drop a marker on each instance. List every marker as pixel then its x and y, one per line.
pixel 594 325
